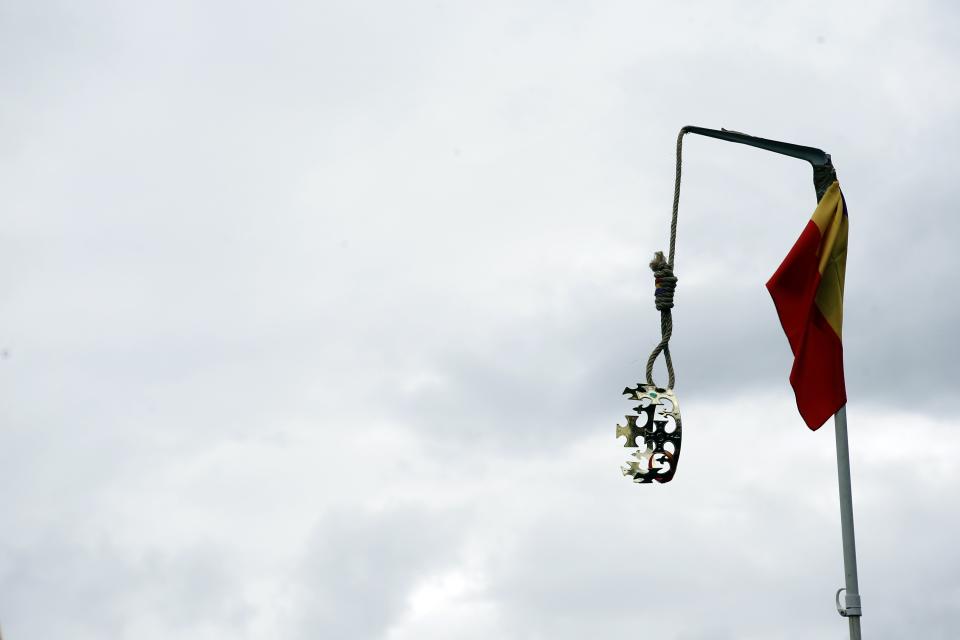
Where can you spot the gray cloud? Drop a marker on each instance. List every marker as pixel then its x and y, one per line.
pixel 57 585
pixel 313 312
pixel 360 568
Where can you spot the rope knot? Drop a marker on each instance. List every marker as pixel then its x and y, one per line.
pixel 665 281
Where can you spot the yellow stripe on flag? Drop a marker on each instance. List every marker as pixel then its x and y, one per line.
pixel 833 224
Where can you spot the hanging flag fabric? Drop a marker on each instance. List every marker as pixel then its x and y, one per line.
pixel 807 291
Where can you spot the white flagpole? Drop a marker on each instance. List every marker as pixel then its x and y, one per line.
pixel 851 607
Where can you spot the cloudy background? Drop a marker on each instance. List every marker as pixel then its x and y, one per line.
pixel 314 319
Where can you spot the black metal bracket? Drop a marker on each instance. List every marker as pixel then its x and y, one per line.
pixel 823 172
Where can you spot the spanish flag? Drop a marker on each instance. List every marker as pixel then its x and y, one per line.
pixel 807 291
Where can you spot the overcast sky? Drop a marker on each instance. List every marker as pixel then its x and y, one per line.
pixel 315 317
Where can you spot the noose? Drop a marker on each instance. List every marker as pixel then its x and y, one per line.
pixel 648 432
pixel 666 283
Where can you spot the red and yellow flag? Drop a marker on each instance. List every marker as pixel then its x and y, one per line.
pixel 807 290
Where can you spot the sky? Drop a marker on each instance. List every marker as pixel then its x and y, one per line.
pixel 315 317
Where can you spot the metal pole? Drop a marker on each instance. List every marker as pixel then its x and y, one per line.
pixel 851 608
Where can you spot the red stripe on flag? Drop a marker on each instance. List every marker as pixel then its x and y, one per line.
pixel 817 375
pixel 794 285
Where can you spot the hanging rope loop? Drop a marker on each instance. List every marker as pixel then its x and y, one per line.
pixel 666 330
pixel 666 282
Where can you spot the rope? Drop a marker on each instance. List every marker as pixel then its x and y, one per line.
pixel 666 283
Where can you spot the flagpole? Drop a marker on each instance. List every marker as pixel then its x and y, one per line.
pixel 851 608
pixel 823 176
